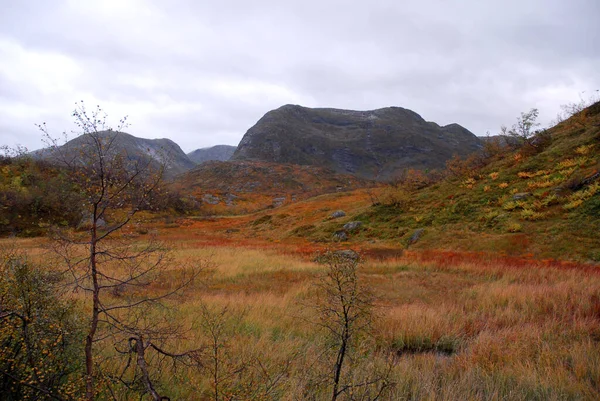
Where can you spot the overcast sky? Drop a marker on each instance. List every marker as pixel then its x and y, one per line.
pixel 203 72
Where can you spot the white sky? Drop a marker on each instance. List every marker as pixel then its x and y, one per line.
pixel 202 72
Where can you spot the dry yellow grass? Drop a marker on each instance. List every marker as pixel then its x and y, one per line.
pixel 454 327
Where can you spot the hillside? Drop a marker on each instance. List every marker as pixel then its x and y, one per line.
pixel 374 144
pixel 243 186
pixel 218 153
pixel 161 150
pixel 542 202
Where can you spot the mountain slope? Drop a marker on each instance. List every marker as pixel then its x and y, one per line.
pixel 242 186
pixel 374 144
pixel 542 202
pixel 161 150
pixel 218 153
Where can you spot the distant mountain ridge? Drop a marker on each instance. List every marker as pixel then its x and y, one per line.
pixel 162 150
pixel 374 144
pixel 214 153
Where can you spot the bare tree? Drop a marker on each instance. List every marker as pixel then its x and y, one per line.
pixel 103 261
pixel 345 312
pixel 219 325
pixel 236 368
pixel 524 130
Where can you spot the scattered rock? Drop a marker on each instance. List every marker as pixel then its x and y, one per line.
pixel 353 225
pixel 416 235
pixel 232 230
pixel 341 236
pixel 337 214
pixel 230 199
pixel 86 223
pixel 278 201
pixel 521 195
pixel 211 199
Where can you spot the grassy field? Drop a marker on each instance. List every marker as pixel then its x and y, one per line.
pixel 445 325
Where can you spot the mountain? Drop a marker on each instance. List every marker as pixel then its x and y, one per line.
pixel 374 144
pixel 162 150
pixel 218 152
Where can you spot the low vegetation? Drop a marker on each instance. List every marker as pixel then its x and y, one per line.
pixel 441 326
pixel 480 282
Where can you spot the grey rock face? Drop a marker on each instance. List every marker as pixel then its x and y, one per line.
pixel 155 151
pixel 353 225
pixel 337 214
pixel 372 144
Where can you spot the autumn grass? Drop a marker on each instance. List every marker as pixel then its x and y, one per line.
pixel 447 325
pixel 462 327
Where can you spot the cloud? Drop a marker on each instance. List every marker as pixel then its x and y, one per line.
pixel 202 73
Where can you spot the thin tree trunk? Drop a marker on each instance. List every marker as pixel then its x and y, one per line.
pixel 89 340
pixel 338 368
pixel 141 361
pixel 216 369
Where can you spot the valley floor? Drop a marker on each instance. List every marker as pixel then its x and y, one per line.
pixel 445 325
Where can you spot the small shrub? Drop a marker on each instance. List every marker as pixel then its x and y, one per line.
pixel 566 164
pixel 567 172
pixel 550 200
pixel 544 183
pixel 490 218
pixel 582 161
pixel 513 227
pixel 584 149
pixel 529 174
pixel 468 183
pixel 531 215
pixel 573 204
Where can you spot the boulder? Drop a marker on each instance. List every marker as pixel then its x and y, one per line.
pixel 338 214
pixel 347 254
pixel 86 223
pixel 278 201
pixel 352 225
pixel 211 199
pixel 521 195
pixel 341 236
pixel 230 199
pixel 416 235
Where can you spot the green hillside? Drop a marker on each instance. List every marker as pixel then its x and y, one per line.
pixel 541 198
